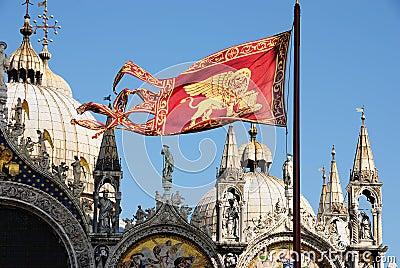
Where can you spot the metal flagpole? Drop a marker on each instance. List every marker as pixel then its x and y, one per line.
pixel 296 140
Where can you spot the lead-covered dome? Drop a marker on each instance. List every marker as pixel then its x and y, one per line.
pixel 262 194
pixel 262 201
pixel 53 111
pixel 51 107
pixel 254 154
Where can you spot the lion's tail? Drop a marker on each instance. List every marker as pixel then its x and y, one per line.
pixel 190 102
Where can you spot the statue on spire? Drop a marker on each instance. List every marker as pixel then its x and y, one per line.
pixel 168 164
pixel 288 172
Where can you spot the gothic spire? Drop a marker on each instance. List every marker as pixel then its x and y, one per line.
pixel 364 164
pixel 108 159
pixel 334 201
pixel 321 209
pixel 230 156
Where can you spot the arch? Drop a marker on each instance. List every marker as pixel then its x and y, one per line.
pixel 234 190
pixel 313 245
pixel 63 222
pixel 136 235
pixel 372 196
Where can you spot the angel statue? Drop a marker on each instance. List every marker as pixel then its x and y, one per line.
pixel 19 107
pixel 78 167
pixel 42 137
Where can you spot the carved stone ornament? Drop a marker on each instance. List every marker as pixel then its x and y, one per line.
pixel 166 221
pixel 311 241
pixel 68 229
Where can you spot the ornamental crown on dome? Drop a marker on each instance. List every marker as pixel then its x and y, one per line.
pixel 50 102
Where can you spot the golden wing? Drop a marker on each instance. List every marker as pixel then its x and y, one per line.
pixel 47 137
pixel 84 163
pixel 25 107
pixel 227 86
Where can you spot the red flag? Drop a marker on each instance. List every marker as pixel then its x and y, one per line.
pixel 243 82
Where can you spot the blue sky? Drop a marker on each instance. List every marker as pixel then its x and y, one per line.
pixel 349 58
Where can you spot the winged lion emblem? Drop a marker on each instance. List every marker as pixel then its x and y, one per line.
pixel 227 90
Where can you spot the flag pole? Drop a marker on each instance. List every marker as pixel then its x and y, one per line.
pixel 296 140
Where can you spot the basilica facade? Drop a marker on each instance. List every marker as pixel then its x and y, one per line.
pixel 60 193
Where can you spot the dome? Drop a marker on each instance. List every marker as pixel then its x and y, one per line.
pixel 53 111
pixel 50 105
pixel 261 193
pixel 255 153
pixel 50 79
pixel 25 63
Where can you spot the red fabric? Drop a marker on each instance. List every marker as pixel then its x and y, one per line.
pixel 244 82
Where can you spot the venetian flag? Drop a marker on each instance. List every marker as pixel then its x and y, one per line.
pixel 244 82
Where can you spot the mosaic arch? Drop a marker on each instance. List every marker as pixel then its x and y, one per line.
pixel 164 251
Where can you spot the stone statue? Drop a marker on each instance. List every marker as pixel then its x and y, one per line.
pixel 279 207
pixel 77 169
pixel 365 227
pixel 60 171
pixel 105 213
pixel 288 172
pixel 101 255
pixel 4 63
pixel 168 164
pixel 150 212
pixel 128 223
pixel 231 217
pixel 184 211
pixel 18 112
pixel 158 199
pixel 86 205
pixel 41 142
pixel 140 215
pixel 230 260
pixel 176 199
pixel 28 146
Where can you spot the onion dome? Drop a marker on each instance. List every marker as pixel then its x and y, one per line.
pixel 25 64
pixel 254 154
pixel 50 79
pixel 51 107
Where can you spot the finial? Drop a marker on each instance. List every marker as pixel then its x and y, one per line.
pixel 45 41
pixel 253 131
pixel 27 3
pixel 333 152
pixel 361 110
pixel 26 29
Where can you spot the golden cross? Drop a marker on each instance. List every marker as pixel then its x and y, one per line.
pixel 46 26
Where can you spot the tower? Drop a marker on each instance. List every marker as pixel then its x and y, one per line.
pixel 230 192
pixel 107 171
pixel 365 233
